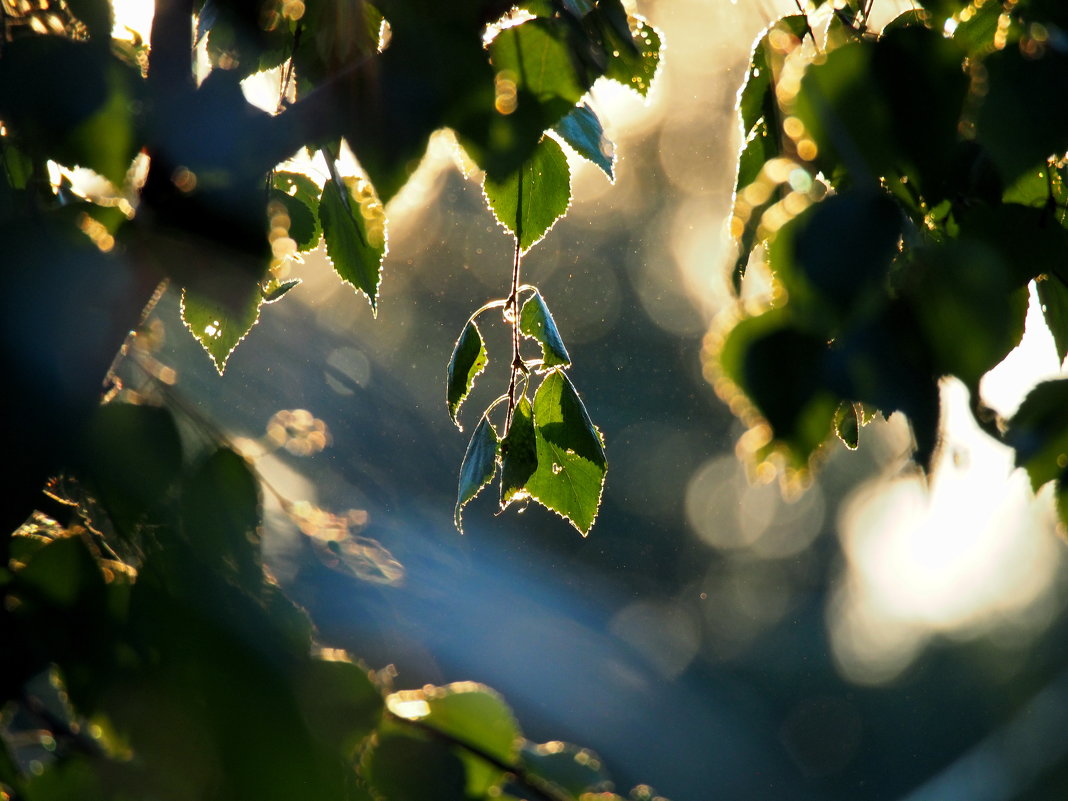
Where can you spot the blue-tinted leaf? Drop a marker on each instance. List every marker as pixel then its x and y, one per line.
pixel 478 468
pixel 536 322
pixel 582 130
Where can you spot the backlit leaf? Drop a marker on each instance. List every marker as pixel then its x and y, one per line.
pixel 571 462
pixel 478 468
pixel 583 131
pixel 471 714
pixel 468 359
pixel 536 322
pixel 529 200
pixel 339 702
pixel 537 56
pixel 355 240
pixel 519 453
pixel 570 768
pixel 847 425
pixel 634 61
pixel 217 328
pixel 299 195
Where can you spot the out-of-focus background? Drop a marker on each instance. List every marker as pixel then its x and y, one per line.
pixel 873 639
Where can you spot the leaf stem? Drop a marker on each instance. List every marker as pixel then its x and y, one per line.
pixel 513 310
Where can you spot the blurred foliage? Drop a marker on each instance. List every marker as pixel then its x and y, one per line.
pixel 903 188
pixel 148 652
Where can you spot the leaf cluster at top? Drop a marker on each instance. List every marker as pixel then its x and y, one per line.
pixel 904 186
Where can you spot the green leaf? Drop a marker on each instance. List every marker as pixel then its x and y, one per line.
pixel 339 703
pixel 355 239
pixel 1021 121
pixel 537 56
pixel 970 307
pixel 1053 295
pixel 519 454
pixel 582 130
pixel 834 258
pixel 756 99
pixel 571 462
pixel 633 61
pixel 572 769
pixel 529 200
pixel 63 573
pixel 221 514
pixel 536 322
pixel 847 424
pixel 273 289
pixel 303 212
pixel 218 328
pixel 780 368
pixel 403 768
pixel 478 468
pixel 131 456
pixel 473 715
pixel 1039 432
pixel 468 360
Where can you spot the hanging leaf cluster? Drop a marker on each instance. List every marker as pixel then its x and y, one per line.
pixel 903 187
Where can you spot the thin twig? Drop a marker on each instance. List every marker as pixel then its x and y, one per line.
pixel 538 786
pixel 513 310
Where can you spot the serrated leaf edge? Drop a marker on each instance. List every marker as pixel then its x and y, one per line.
pixel 454 413
pixel 220 365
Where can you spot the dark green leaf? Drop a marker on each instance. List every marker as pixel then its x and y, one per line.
pixel 355 239
pixel 131 456
pixel 537 56
pixel 571 465
pixel 970 308
pixel 304 227
pixel 519 453
pixel 780 368
pixel 1053 295
pixel 572 769
pixel 402 768
pixel 339 703
pixel 468 360
pixel 474 715
pixel 218 329
pixel 478 468
pixel 847 424
pixel 536 322
pixel 63 573
pixel 531 199
pixel 274 289
pixel 221 514
pixel 582 130
pixel 1020 122
pixel 1039 432
pixel 70 102
pixel 834 258
pixel 633 61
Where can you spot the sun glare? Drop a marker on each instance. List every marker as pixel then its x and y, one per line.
pixel 972 553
